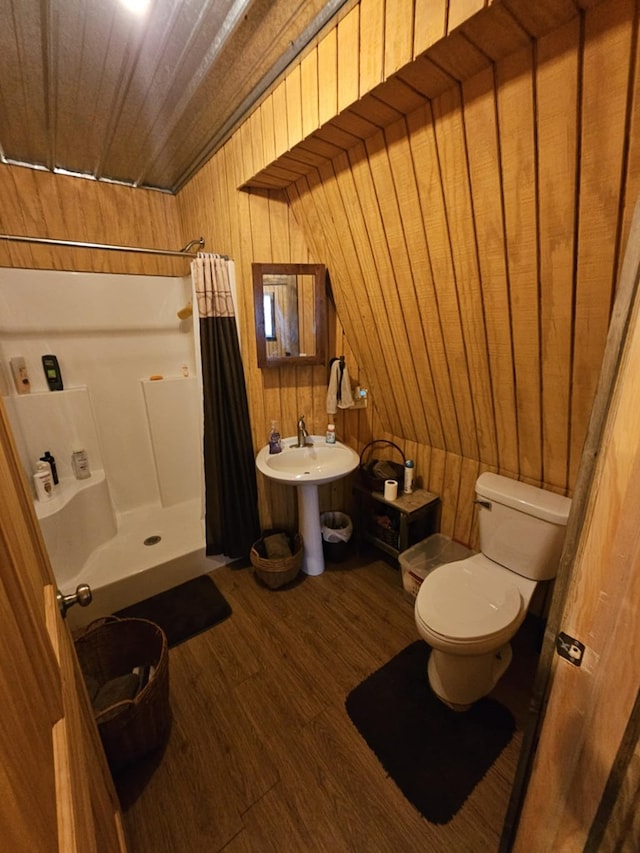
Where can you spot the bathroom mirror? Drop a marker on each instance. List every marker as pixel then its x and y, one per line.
pixel 290 312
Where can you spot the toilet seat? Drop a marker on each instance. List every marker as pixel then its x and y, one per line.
pixel 467 601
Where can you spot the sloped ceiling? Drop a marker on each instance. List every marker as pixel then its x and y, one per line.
pixel 96 89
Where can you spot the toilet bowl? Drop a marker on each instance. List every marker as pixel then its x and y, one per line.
pixel 469 610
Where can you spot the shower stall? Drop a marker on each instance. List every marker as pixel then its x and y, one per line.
pixel 132 400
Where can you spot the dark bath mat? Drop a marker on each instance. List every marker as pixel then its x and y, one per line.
pixel 436 756
pixel 184 610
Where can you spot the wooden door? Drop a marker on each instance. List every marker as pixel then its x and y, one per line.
pixel 584 787
pixel 56 790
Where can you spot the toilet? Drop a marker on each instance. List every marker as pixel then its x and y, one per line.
pixel 469 610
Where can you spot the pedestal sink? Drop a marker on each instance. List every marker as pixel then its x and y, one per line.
pixel 307 468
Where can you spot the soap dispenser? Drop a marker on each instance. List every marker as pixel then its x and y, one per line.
pixel 275 443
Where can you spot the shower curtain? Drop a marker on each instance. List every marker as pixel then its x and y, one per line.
pixel 231 493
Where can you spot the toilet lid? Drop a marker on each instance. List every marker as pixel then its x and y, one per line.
pixel 465 602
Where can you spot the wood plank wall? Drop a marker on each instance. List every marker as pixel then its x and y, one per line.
pixel 474 247
pixel 472 242
pixel 482 248
pixel 374 42
pixel 40 204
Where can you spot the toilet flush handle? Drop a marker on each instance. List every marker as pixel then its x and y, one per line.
pixel 484 504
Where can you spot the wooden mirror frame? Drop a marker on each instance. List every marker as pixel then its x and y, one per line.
pixel 319 272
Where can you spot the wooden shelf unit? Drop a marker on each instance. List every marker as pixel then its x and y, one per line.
pixel 393 526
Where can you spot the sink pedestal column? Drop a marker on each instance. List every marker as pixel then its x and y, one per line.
pixel 309 522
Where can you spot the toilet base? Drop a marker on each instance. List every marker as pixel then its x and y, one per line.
pixel 460 680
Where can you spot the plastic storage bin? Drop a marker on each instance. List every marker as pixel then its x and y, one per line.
pixel 423 557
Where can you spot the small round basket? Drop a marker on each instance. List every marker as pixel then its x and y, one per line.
pixel 276 572
pixel 374 480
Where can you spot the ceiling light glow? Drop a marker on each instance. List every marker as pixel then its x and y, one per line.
pixel 138 7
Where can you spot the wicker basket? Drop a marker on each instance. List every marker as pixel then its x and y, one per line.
pixel 113 647
pixel 280 571
pixel 366 471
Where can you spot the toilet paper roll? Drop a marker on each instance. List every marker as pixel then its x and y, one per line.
pixel 390 490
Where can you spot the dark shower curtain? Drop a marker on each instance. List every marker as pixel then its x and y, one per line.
pixel 231 493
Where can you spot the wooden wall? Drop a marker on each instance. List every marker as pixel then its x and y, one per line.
pixel 472 242
pixel 39 204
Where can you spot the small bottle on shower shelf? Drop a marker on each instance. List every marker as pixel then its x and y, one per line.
pixel 80 464
pixel 52 464
pixel 330 437
pixel 43 482
pixel 275 442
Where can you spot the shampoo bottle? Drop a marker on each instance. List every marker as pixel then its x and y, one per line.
pixel 331 434
pixel 80 464
pixel 52 464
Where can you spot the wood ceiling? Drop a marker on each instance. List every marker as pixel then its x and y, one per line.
pixel 91 88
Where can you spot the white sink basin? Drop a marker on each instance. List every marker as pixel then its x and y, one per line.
pixel 316 463
pixel 307 468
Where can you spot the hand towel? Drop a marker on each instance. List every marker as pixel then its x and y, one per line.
pixel 339 394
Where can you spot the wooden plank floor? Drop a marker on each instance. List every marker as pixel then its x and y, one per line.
pixel 262 755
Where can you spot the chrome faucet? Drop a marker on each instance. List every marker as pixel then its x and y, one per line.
pixel 303 435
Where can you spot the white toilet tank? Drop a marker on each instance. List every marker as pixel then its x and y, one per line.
pixel 523 528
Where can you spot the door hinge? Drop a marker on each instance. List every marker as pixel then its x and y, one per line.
pixel 569 648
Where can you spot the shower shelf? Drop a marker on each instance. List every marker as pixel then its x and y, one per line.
pixel 66 490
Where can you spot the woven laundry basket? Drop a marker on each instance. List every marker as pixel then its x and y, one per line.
pixel 110 648
pixel 276 572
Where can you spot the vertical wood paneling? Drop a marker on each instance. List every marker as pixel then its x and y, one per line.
pixel 328 76
pixel 332 197
pixel 398 35
pixel 486 190
pixel 557 91
pixel 293 86
pixel 268 131
pixel 279 98
pixel 453 164
pixel 384 298
pixel 430 23
pixel 310 89
pixel 352 303
pixel 516 117
pixel 460 10
pixel 391 262
pixel 432 210
pixel 41 204
pixel 423 329
pixel 451 248
pixel 361 300
pixel 349 59
pixel 371 54
pixel 607 43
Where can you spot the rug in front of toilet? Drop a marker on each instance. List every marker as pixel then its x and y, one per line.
pixel 436 756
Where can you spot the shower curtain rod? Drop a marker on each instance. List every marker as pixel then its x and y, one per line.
pixel 75 244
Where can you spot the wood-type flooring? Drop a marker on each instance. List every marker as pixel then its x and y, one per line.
pixel 262 755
